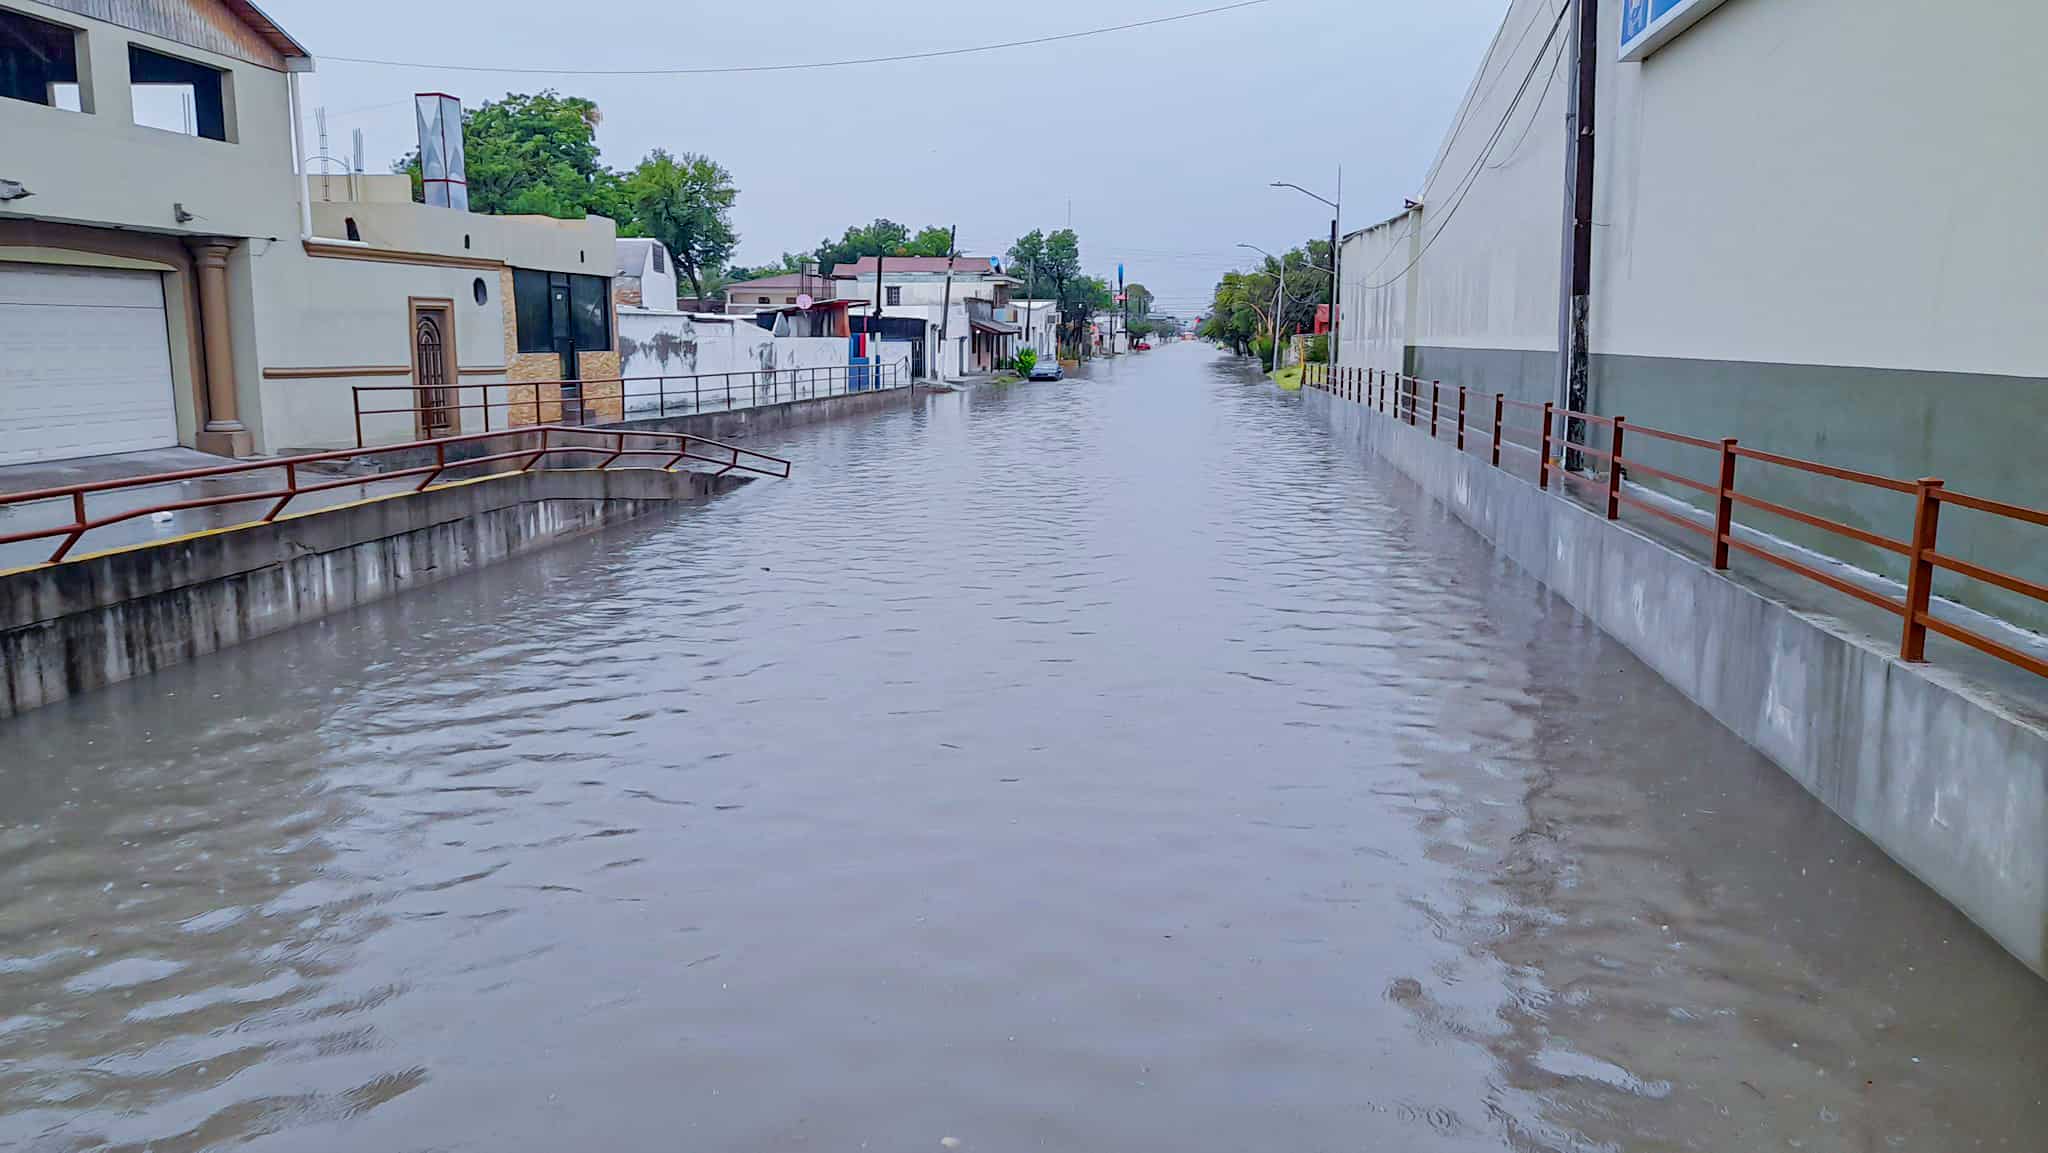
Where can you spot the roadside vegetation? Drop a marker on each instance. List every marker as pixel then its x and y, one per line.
pixel 1241 314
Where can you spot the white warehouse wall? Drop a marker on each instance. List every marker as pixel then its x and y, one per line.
pixel 1803 238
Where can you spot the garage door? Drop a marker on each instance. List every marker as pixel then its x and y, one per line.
pixel 85 365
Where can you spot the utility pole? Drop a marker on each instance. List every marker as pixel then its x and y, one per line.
pixel 1336 270
pixel 874 348
pixel 1125 298
pixel 946 309
pixel 1575 301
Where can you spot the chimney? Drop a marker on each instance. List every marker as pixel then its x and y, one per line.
pixel 441 168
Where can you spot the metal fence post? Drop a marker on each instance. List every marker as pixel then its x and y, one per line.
pixel 1614 469
pixel 1724 504
pixel 1920 570
pixel 1461 418
pixel 1500 404
pixel 358 391
pixel 1543 462
pixel 1434 390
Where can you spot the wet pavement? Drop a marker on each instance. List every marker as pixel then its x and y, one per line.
pixel 58 513
pixel 1103 765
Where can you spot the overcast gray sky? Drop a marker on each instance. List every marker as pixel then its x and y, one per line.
pixel 1164 139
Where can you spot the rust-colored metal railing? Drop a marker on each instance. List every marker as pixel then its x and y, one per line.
pixel 1466 416
pixel 622 397
pixel 673 448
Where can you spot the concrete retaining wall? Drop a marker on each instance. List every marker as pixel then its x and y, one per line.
pixel 76 626
pixel 740 423
pixel 1939 773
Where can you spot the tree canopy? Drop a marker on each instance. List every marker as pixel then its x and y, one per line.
pixel 532 154
pixel 686 203
pixel 537 154
pixel 883 237
pixel 1242 309
pixel 1050 267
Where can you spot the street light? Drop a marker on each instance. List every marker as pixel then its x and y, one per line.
pixel 1304 192
pixel 1336 259
pixel 1279 296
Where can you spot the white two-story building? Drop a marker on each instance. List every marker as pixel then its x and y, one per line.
pixel 166 278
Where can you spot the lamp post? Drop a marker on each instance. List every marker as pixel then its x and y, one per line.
pixel 1336 260
pixel 1279 296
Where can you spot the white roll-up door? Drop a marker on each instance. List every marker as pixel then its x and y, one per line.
pixel 85 362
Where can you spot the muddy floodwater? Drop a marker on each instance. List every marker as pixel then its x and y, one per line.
pixel 1104 765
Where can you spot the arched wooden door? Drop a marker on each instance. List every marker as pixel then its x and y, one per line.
pixel 433 369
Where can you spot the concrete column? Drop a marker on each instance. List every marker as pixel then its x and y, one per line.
pixel 222 432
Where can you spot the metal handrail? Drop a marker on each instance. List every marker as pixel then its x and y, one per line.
pixel 675 447
pixel 693 393
pixel 1919 550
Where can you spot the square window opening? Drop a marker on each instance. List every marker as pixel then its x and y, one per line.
pixel 177 95
pixel 39 62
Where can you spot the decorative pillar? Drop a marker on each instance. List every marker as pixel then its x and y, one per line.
pixel 222 432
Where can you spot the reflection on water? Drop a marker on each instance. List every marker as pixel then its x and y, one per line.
pixel 1110 764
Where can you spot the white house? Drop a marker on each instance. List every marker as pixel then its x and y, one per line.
pixel 646 274
pixel 958 333
pixel 1041 323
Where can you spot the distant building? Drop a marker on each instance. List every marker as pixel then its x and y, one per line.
pixel 979 326
pixel 779 291
pixel 646 274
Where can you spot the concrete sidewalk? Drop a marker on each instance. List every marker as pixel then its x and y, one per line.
pixel 56 513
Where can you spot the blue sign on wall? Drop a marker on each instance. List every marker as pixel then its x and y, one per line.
pixel 1647 24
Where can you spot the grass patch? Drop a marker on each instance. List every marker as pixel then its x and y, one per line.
pixel 1289 378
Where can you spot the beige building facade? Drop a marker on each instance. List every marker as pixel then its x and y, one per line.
pixel 166 278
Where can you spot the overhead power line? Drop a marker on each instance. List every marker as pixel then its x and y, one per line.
pixel 728 69
pixel 1478 165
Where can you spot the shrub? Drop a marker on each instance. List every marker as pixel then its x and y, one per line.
pixel 1319 348
pixel 1025 360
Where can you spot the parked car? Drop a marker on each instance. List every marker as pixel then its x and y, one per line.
pixel 1048 369
pixel 1142 346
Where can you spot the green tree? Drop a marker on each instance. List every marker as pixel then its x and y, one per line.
pixel 1241 313
pixel 686 203
pixel 1091 294
pixel 1139 298
pixel 1062 264
pixel 880 238
pixel 791 262
pixel 931 241
pixel 533 154
pixel 1027 261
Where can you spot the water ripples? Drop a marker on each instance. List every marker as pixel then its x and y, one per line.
pixel 1107 764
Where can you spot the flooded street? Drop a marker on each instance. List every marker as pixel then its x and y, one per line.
pixel 1105 765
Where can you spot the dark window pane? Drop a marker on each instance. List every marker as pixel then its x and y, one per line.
pixel 592 321
pixel 660 260
pixel 530 308
pixel 177 95
pixel 38 61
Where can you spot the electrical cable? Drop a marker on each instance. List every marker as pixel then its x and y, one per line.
pixel 1472 176
pixel 1482 87
pixel 1535 114
pixel 729 69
